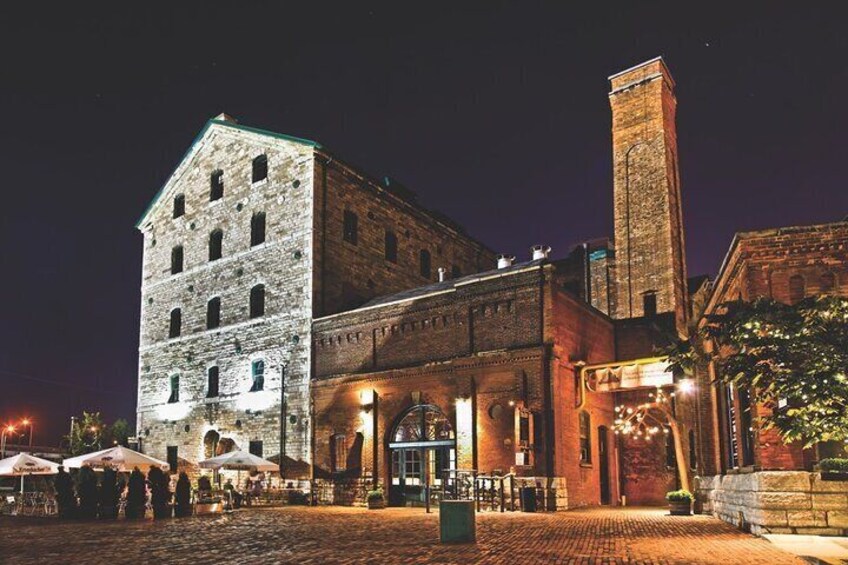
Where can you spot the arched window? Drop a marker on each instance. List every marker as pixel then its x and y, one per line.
pixel 260 168
pixel 585 438
pixel 177 260
pixel 425 266
pixel 216 188
pixel 257 301
pixel 423 423
pixel 797 289
pixel 213 313
pixel 257 228
pixel 827 283
pixel 257 372
pixel 216 243
pixel 212 382
pixel 179 205
pixel 175 323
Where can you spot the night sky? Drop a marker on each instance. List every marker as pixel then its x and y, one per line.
pixel 496 115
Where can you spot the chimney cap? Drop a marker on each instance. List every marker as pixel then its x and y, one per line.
pixel 505 261
pixel 540 252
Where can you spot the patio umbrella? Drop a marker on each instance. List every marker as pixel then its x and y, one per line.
pixel 239 461
pixel 24 464
pixel 120 458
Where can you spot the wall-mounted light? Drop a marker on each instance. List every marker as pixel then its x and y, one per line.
pixel 366 399
pixel 685 386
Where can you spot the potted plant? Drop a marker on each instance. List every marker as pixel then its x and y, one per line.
pixel 87 492
pixel 183 497
pixel 66 502
pixel 160 493
pixel 108 502
pixel 680 502
pixel 136 497
pixel 834 469
pixel 375 499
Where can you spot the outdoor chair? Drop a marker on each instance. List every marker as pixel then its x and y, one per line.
pixel 11 506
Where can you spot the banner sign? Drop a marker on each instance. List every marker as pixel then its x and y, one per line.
pixel 630 377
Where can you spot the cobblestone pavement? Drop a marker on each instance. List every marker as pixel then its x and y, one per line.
pixel 354 535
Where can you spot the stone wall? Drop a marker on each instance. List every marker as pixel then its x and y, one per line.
pixel 777 502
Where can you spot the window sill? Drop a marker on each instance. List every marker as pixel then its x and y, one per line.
pixel 585 465
pixel 258 183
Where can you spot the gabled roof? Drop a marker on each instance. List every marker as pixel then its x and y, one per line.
pixel 225 121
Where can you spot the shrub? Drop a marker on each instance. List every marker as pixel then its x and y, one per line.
pixel 160 490
pixel 183 497
pixel 108 499
pixel 66 502
pixel 834 465
pixel 375 495
pixel 87 492
pixel 136 497
pixel 679 496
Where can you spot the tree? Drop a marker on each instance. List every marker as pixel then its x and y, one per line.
pixel 794 361
pixel 647 420
pixel 160 492
pixel 86 434
pixel 119 432
pixel 136 495
pixel 109 495
pixel 87 492
pixel 65 499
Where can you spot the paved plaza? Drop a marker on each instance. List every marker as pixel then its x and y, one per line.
pixel 354 535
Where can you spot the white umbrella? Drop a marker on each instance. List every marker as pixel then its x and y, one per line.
pixel 239 461
pixel 24 464
pixel 120 458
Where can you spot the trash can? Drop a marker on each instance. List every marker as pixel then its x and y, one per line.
pixel 528 499
pixel 457 521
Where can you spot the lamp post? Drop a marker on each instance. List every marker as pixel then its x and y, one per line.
pixel 7 430
pixel 28 423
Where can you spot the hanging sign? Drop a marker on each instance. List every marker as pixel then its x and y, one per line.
pixel 630 377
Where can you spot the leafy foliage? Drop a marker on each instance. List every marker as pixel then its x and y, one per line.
pixel 108 499
pixel 160 488
pixel 375 495
pixel 793 358
pixel 679 496
pixel 66 502
pixel 136 495
pixel 90 433
pixel 87 492
pixel 183 496
pixel 834 465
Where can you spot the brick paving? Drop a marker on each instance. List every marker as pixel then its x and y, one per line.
pixel 353 535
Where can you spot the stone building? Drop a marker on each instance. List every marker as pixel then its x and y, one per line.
pixel 253 235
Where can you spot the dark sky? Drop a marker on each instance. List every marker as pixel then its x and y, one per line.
pixel 496 115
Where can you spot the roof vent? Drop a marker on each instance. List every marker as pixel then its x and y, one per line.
pixel 442 272
pixel 505 261
pixel 540 252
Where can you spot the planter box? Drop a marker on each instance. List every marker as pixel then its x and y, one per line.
pixel 834 475
pixel 680 508
pixel 376 504
pixel 209 508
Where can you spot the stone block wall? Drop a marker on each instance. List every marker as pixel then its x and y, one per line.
pixel 777 502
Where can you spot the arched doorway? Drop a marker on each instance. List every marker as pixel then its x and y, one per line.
pixel 210 444
pixel 423 446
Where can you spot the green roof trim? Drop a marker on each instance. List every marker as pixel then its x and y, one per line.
pixel 200 135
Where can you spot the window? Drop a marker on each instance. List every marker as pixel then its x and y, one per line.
pixel 177 260
pixel 257 229
pixel 175 324
pixel 338 445
pixel 670 453
pixel 256 448
pixel 391 246
pixel 455 272
pixel 212 382
pixel 173 450
pixel 351 227
pixel 649 304
pixel 257 370
pixel 216 188
pixel 585 438
pixel 260 168
pixel 797 289
pixel 179 205
pixel 827 283
pixel 216 244
pixel 693 451
pixel 213 313
pixel 425 266
pixel 175 389
pixel 257 301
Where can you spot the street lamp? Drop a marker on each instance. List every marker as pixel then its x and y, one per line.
pixel 28 423
pixel 6 431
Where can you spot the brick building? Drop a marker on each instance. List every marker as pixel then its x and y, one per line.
pixel 252 235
